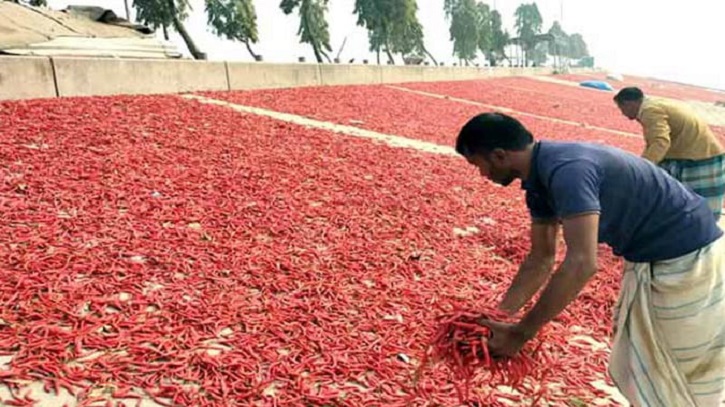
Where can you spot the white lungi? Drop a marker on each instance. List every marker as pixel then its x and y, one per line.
pixel 669 342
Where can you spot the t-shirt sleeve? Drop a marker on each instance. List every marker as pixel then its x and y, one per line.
pixel 574 189
pixel 539 208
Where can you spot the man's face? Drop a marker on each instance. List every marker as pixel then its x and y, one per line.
pixel 630 109
pixel 495 166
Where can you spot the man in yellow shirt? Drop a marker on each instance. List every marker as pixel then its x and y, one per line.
pixel 680 142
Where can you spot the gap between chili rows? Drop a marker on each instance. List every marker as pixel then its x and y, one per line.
pixel 389 139
pixel 508 110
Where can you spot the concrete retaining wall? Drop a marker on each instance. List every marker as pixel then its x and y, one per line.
pixel 265 75
pixel 350 74
pixel 89 77
pixel 28 77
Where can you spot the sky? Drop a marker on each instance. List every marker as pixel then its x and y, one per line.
pixel 668 39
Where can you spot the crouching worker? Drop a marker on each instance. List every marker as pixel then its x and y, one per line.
pixel 680 142
pixel 669 344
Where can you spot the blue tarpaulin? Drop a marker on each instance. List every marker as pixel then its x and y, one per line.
pixel 601 85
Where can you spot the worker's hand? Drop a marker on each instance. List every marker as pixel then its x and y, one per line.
pixel 506 339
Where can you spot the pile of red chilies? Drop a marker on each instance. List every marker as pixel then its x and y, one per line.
pixel 160 248
pixel 462 344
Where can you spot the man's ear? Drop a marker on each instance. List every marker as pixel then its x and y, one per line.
pixel 498 155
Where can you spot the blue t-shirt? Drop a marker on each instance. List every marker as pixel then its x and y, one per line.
pixel 645 214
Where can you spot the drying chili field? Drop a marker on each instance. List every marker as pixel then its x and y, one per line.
pixel 276 248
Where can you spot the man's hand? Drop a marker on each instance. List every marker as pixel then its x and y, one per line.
pixel 506 339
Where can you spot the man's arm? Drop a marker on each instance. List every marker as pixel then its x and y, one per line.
pixel 580 264
pixel 656 134
pixel 536 268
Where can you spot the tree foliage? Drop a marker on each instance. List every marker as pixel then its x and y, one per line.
pixel 475 27
pixel 406 34
pixel 577 47
pixel 485 29
pixel 159 13
pixel 234 20
pixel 167 13
pixel 466 27
pixel 559 44
pixel 393 26
pixel 314 29
pixel 565 45
pixel 528 26
pixel 500 37
pixel 561 40
pixel 539 54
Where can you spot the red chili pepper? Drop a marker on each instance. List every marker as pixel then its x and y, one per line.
pixel 140 231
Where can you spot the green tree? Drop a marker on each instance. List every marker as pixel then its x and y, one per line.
pixel 528 26
pixel 560 44
pixel 492 39
pixel 407 39
pixel 392 26
pixel 561 39
pixel 485 29
pixel 465 30
pixel 234 20
pixel 577 48
pixel 314 29
pixel 500 38
pixel 406 34
pixel 539 53
pixel 167 13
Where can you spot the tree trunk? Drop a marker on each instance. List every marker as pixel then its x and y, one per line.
pixel 128 10
pixel 251 52
pixel 195 52
pixel 378 55
pixel 179 27
pixel 166 33
pixel 425 51
pixel 341 48
pixel 327 57
pixel 390 55
pixel 318 56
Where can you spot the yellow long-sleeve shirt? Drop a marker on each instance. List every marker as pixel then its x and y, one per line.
pixel 672 130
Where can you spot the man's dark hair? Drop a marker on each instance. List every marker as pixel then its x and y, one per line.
pixel 630 94
pixel 489 131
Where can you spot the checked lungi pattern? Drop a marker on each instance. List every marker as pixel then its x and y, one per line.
pixel 705 177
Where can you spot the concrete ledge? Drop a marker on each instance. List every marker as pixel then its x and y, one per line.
pixel 26 78
pixel 33 77
pixel 401 74
pixel 265 75
pixel 89 77
pixel 351 74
